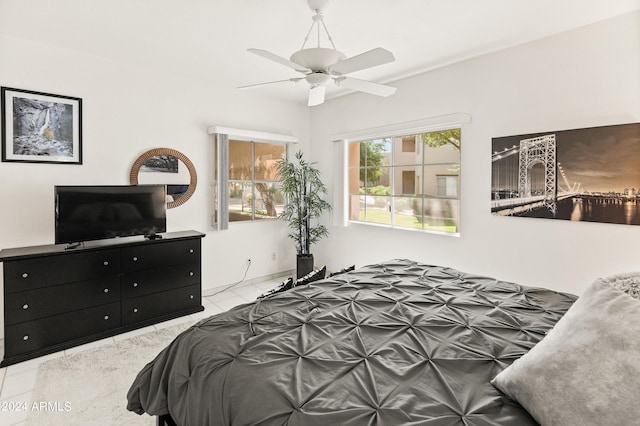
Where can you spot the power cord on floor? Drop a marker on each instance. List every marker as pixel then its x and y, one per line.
pixel 234 284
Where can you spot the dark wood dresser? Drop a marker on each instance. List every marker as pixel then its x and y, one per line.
pixel 57 298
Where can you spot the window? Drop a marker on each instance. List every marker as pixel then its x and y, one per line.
pixel 407 181
pixel 254 189
pixel 409 144
pixel 447 186
pixel 245 186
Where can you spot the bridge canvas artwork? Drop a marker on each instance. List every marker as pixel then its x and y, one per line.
pixel 590 174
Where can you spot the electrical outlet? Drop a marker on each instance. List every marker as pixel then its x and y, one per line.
pixel 273 255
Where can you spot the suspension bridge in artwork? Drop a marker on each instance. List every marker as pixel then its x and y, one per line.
pixel 527 177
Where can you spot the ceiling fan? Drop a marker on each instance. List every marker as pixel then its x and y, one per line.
pixel 321 65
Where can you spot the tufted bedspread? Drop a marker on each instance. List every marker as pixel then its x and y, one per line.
pixel 396 343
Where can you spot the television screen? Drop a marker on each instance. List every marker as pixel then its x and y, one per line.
pixel 85 213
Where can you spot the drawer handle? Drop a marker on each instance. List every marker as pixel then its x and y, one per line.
pixel 25 337
pixel 135 310
pixel 25 306
pixel 135 258
pixel 191 296
pixel 190 250
pixel 105 263
pixel 25 275
pixel 135 284
pixel 191 273
pixel 106 317
pixel 106 290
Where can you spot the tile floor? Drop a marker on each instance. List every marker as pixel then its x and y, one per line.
pixel 17 381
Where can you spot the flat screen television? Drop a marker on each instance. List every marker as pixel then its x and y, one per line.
pixel 85 213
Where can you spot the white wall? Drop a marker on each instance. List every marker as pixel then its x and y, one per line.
pixel 126 111
pixel 583 78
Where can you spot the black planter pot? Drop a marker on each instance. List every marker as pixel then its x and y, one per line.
pixel 304 265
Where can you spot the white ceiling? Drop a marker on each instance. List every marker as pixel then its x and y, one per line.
pixel 209 38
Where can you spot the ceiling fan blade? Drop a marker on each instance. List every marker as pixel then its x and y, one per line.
pixel 316 95
pixel 365 86
pixel 290 80
pixel 279 59
pixel 372 58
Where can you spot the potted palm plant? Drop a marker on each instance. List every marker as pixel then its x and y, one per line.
pixel 303 189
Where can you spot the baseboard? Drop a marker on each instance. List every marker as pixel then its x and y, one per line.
pixel 215 290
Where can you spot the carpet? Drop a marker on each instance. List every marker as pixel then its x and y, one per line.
pixel 90 387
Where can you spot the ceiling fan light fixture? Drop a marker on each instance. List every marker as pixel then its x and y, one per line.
pixel 317 58
pixel 318 79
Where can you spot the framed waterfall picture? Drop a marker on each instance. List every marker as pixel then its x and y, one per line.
pixel 40 127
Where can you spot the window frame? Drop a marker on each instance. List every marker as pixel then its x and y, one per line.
pixel 447 178
pixel 342 141
pixel 389 207
pixel 221 137
pixel 252 180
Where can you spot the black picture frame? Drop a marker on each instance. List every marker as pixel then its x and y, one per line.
pixel 40 127
pixel 587 175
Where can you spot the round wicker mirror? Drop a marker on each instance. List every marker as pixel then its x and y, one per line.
pixel 167 152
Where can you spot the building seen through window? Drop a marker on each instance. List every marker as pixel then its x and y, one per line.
pixel 408 181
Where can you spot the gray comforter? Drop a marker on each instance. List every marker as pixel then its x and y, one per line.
pixel 396 343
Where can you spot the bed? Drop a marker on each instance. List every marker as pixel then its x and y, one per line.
pixel 395 343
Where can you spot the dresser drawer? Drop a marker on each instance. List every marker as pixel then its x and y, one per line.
pixel 160 254
pixel 140 283
pixel 45 302
pixel 29 336
pixel 160 304
pixel 29 274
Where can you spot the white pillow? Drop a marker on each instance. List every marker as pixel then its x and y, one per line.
pixel 586 371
